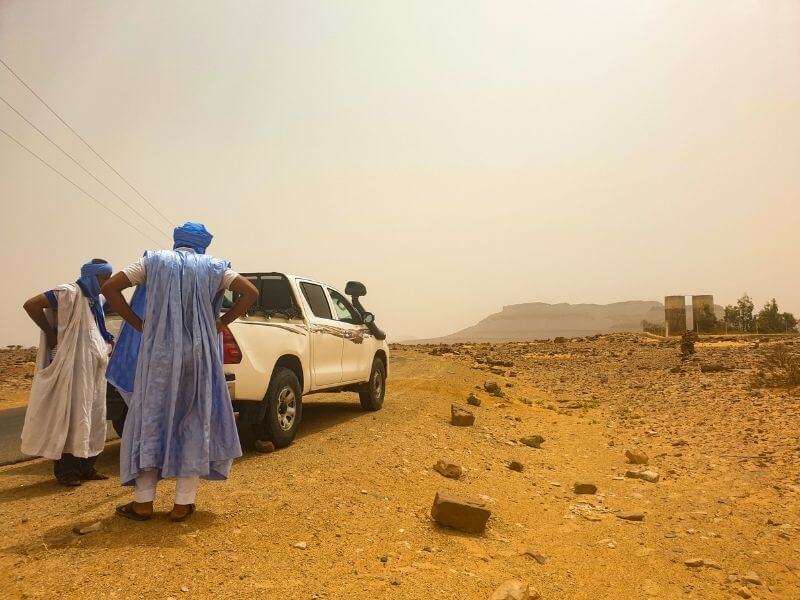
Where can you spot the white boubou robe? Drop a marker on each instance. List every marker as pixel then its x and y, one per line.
pixel 67 406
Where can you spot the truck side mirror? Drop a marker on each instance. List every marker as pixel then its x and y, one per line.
pixel 355 288
pixel 368 318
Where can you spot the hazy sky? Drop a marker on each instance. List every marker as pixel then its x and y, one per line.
pixel 455 156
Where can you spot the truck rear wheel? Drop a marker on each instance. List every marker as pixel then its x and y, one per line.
pixel 284 409
pixel 372 396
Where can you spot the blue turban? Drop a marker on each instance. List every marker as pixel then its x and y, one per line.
pixel 192 235
pixel 91 288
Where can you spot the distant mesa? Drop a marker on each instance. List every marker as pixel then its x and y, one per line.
pixel 539 320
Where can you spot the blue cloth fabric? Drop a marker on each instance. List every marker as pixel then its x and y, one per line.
pixel 51 298
pixel 121 371
pixel 192 235
pixel 180 418
pixel 90 286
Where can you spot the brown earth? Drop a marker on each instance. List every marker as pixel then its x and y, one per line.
pixel 16 373
pixel 357 488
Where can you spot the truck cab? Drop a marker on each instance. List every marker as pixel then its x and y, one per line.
pixel 301 337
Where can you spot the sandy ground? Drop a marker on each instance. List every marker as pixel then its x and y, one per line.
pixel 16 372
pixel 357 489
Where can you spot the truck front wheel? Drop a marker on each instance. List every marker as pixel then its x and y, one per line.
pixel 372 395
pixel 283 411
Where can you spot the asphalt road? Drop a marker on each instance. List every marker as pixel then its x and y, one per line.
pixel 11 420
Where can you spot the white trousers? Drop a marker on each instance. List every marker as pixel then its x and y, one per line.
pixel 147 482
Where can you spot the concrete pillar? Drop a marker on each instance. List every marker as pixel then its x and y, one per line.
pixel 698 303
pixel 675 315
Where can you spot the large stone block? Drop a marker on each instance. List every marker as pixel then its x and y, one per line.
pixel 460 513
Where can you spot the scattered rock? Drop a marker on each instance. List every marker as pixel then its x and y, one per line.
pixel 537 556
pixel 514 589
pixel 630 516
pixel 448 469
pixel 473 400
pixel 752 577
pixel 517 466
pixel 636 457
pixel 461 417
pixel 300 545
pixel 693 562
pixel 264 446
pixel 491 387
pixel 649 476
pixel 88 528
pixel 534 441
pixel 584 488
pixel 744 592
pixel 460 513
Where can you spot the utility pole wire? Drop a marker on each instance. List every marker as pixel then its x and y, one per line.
pixel 43 161
pixel 85 170
pixel 88 145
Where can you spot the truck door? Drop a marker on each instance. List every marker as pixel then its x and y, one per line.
pixel 357 351
pixel 326 336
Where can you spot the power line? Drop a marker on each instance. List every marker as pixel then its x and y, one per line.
pixel 43 161
pixel 89 173
pixel 88 145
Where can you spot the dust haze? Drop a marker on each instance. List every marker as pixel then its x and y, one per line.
pixel 456 157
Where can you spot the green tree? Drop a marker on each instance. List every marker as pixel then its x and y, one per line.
pixel 769 318
pixel 744 307
pixel 789 322
pixel 731 316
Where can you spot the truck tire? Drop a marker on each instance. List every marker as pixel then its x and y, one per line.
pixel 284 409
pixel 372 396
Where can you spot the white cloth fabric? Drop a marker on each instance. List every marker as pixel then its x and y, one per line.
pixel 67 407
pixel 147 484
pixel 137 272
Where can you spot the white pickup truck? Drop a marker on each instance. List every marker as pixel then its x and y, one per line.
pixel 301 337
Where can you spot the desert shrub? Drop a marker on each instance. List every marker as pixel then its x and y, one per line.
pixel 780 367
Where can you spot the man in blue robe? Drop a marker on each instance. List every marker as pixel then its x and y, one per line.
pixel 180 420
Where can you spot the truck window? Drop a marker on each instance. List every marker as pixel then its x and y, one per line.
pixel 316 300
pixel 344 311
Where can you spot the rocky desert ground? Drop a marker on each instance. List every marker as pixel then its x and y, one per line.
pixel 611 468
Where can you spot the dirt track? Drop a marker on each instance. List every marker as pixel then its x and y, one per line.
pixel 357 489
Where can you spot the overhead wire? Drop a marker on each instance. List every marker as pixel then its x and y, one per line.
pixel 88 145
pixel 85 170
pixel 90 195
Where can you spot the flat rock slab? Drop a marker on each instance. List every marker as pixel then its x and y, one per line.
pixel 631 516
pixel 459 513
pixel 461 417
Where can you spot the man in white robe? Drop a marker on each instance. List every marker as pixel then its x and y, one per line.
pixel 66 416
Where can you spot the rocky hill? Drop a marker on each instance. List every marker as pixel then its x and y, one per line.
pixel 539 320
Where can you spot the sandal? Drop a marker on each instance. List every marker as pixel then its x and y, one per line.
pixel 180 519
pixel 69 482
pixel 94 476
pixel 127 511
